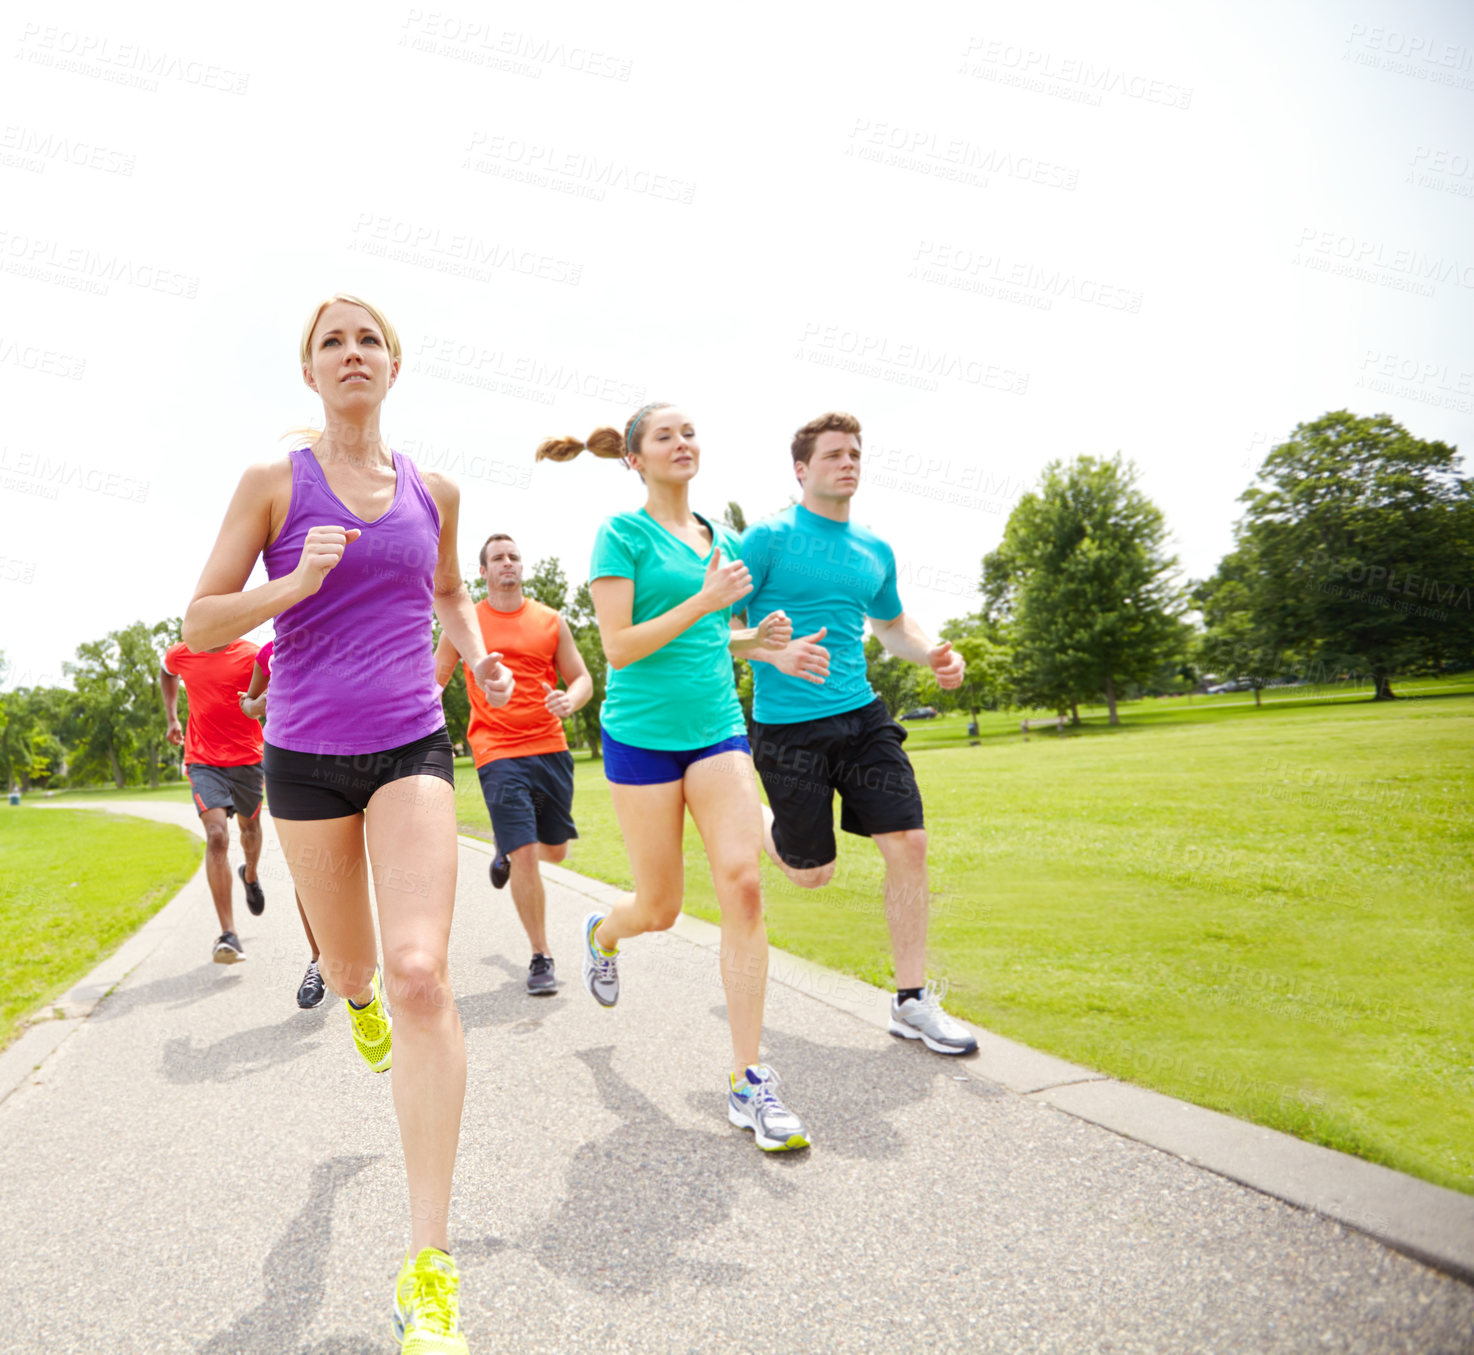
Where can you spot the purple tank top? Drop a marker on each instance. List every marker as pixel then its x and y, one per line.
pixel 353 670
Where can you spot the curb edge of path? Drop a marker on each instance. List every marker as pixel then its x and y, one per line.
pixel 1429 1223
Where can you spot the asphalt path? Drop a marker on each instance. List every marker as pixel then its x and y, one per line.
pixel 202 1167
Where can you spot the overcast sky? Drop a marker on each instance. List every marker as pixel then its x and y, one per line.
pixel 998 233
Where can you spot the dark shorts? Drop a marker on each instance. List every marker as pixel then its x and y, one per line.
pixel 236 790
pixel 626 765
pixel 327 786
pixel 530 799
pixel 858 754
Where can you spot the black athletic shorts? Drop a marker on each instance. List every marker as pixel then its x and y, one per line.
pixel 327 786
pixel 530 799
pixel 858 754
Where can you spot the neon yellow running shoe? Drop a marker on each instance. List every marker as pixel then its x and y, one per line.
pixel 427 1305
pixel 373 1029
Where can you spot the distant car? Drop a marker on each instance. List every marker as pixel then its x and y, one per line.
pixel 921 713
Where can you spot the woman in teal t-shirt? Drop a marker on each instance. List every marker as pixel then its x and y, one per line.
pixel 664 581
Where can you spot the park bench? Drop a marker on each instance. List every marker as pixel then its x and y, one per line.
pixel 1058 721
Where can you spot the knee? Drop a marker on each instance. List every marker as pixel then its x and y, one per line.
pixel 661 912
pixel 250 831
pixel 524 857
pixel 909 848
pixel 217 839
pixel 741 895
pixel 813 877
pixel 418 983
pixel 552 854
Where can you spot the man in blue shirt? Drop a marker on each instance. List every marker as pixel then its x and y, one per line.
pixel 814 735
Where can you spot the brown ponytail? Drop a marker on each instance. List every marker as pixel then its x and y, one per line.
pixel 605 441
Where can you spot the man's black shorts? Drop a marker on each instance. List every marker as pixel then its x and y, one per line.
pixel 858 754
pixel 530 799
pixel 329 786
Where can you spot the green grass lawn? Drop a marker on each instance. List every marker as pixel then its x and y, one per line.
pixel 72 887
pixel 1269 912
pixel 171 792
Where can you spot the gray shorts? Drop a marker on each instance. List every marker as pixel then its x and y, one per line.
pixel 236 790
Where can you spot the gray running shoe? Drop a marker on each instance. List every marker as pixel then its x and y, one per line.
pixel 228 949
pixel 541 980
pixel 774 1126
pixel 600 969
pixel 922 1018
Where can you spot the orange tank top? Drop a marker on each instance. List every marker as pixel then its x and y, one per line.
pixel 527 640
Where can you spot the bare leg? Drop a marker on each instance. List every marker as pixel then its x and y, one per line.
pixel 330 872
pixel 722 794
pixel 307 927
pixel 811 878
pixel 412 845
pixel 529 896
pixel 907 902
pixel 217 865
pixel 652 820
pixel 251 843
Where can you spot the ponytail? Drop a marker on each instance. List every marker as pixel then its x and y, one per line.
pixel 607 442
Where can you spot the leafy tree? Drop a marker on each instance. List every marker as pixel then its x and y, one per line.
pixel 734 517
pixel 30 753
pixel 118 708
pixel 893 679
pixel 1361 540
pixel 1082 586
pixel 987 683
pixel 547 584
pixel 1244 630
pixel 585 627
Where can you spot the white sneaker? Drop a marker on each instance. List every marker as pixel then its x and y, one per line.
pixel 922 1018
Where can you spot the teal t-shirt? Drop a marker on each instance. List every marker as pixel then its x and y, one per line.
pixel 682 696
pixel 822 573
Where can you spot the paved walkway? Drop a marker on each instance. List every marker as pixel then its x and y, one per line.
pixel 201 1167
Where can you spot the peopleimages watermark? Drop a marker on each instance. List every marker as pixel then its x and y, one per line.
pixel 903 363
pixel 1443 171
pixel 577 173
pixel 940 479
pixel 1404 269
pixel 987 273
pixel 1435 61
pixel 1382 579
pixel 952 158
pixel 32 149
pixel 504 49
pixel 31 357
pixel 463 466
pixel 1420 379
pixel 17 571
pixel 43 475
pixel 460 255
pixel 522 375
pixel 121 63
pixel 1073 79
pixel 76 266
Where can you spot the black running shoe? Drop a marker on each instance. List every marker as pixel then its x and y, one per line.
pixel 312 989
pixel 255 895
pixel 541 980
pixel 228 949
pixel 501 870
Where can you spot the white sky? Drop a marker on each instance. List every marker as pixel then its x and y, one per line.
pixel 1010 207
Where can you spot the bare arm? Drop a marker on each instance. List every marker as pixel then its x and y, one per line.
pixel 574 672
pixel 453 606
pixel 169 686
pixel 904 638
pixel 253 699
pixel 614 604
pixel 446 658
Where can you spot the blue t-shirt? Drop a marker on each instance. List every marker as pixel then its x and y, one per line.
pixel 822 573
pixel 682 696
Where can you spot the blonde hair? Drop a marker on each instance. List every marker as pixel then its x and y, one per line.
pixel 304 349
pixel 605 441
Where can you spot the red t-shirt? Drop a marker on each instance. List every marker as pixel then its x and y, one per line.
pixel 527 640
pixel 218 734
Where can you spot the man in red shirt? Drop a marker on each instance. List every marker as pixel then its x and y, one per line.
pixel 222 755
pixel 521 753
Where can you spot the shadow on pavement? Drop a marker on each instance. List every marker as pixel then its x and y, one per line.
pixel 245 1052
pixel 294 1276
pixel 508 1005
pixel 849 1098
pixel 638 1195
pixel 181 990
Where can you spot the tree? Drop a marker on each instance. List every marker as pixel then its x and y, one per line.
pixel 893 679
pixel 30 752
pixel 118 708
pixel 547 584
pixel 585 627
pixel 1082 586
pixel 987 683
pixel 1244 631
pixel 1361 538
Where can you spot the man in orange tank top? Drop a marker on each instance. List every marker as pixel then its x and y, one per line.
pixel 521 753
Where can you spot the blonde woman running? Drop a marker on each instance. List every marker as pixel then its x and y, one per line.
pixel 360 548
pixel 664 581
